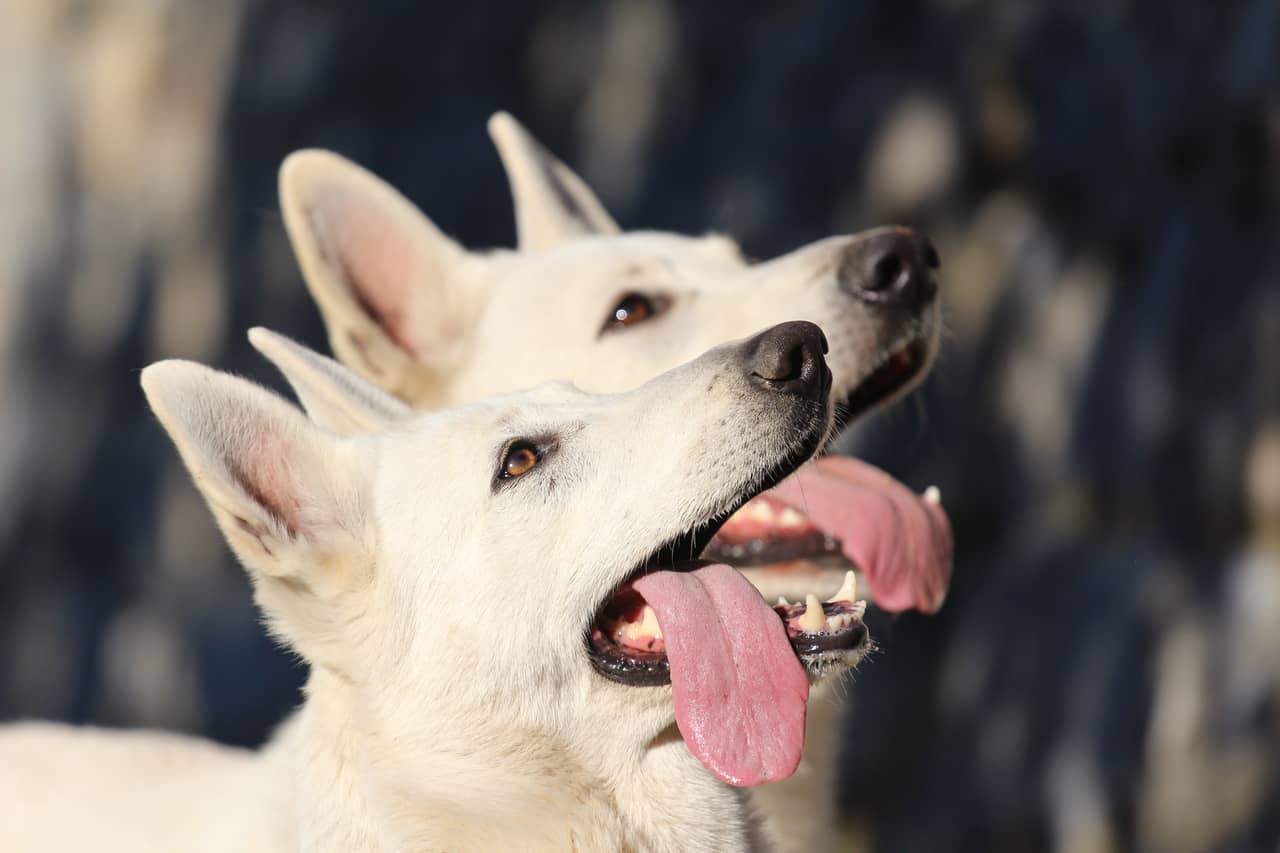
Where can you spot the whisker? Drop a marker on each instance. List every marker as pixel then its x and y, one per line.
pixel 804 499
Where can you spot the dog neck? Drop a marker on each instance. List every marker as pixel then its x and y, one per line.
pixel 472 785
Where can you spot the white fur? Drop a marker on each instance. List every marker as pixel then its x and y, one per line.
pixel 451 705
pixel 447 326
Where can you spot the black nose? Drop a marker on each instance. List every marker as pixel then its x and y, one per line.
pixel 788 358
pixel 893 266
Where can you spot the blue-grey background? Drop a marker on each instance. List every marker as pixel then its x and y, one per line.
pixel 1100 177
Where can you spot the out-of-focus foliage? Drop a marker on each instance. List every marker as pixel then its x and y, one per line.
pixel 1101 179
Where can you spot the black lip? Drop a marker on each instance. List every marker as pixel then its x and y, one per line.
pixel 814 644
pixel 809 646
pixel 888 378
pixel 630 668
pixel 653 669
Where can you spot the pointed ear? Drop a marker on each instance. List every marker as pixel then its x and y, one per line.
pixel 288 496
pixel 382 274
pixel 552 203
pixel 334 397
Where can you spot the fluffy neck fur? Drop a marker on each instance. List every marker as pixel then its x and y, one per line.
pixel 481 788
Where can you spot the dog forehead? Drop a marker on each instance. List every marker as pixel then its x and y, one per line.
pixel 708 252
pixel 541 408
pixel 551 395
pixel 450 458
pixel 639 260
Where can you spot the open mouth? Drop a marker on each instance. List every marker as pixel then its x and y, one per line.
pixel 898 370
pixel 739 668
pixel 626 644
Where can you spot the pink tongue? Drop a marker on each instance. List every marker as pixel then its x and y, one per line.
pixel 900 541
pixel 740 691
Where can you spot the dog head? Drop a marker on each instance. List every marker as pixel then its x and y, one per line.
pixel 494 568
pixel 580 301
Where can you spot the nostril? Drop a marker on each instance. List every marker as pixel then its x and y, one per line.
pixel 885 272
pixel 794 364
pixel 786 366
pixel 931 258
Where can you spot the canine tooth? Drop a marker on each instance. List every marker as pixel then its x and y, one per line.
pixel 813 618
pixel 848 590
pixel 841 620
pixel 933 495
pixel 782 601
pixel 790 518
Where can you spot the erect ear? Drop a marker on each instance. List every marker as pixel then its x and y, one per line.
pixel 381 272
pixel 288 496
pixel 334 397
pixel 552 203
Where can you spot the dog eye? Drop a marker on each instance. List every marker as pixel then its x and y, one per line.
pixel 520 458
pixel 635 308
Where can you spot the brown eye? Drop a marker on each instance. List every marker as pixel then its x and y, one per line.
pixel 521 458
pixel 635 308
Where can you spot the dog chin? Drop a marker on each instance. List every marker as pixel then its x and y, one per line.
pixel 641 714
pixel 827 669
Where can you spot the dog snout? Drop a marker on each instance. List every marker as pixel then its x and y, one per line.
pixel 788 359
pixel 891 266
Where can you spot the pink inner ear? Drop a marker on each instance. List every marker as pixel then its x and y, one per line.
pixel 261 470
pixel 380 261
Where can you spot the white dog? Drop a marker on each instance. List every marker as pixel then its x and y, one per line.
pixel 499 631
pixel 580 301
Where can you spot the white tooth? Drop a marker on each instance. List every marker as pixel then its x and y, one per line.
pixel 782 601
pixel 848 590
pixel 650 627
pixel 645 629
pixel 760 511
pixel 813 618
pixel 790 518
pixel 842 620
pixel 933 495
pixel 859 610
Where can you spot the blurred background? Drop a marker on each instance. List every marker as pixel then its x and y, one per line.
pixel 1101 179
